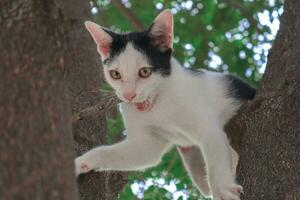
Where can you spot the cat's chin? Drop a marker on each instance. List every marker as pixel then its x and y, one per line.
pixel 146 105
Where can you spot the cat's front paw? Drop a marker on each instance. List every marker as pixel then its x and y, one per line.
pixel 81 166
pixel 229 193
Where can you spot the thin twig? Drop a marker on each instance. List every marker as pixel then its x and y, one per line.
pixel 98 110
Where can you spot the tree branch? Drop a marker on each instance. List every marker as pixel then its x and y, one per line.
pixel 128 14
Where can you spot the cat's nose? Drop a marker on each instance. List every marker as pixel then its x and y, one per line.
pixel 129 96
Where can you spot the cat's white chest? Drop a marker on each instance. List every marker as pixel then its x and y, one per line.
pixel 169 120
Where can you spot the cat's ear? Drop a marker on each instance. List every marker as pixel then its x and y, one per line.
pixel 101 38
pixel 161 30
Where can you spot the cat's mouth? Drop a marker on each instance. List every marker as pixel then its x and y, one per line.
pixel 145 105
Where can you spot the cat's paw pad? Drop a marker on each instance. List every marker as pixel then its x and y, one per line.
pixel 230 193
pixel 81 166
pixel 84 168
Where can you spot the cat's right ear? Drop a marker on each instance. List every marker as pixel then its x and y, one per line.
pixel 101 37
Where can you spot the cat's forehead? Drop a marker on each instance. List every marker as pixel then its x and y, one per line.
pixel 122 43
pixel 137 46
pixel 129 57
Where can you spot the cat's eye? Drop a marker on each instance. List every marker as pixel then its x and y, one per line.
pixel 145 72
pixel 115 74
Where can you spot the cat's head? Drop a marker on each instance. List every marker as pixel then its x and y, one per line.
pixel 136 63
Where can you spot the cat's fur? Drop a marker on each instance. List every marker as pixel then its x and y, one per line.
pixel 173 106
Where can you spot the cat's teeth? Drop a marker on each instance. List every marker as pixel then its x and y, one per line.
pixel 143 106
pixel 146 105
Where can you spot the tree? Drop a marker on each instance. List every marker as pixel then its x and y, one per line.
pixel 48 65
pixel 85 80
pixel 269 126
pixel 36 143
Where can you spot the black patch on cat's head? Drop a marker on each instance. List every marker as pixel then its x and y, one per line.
pixel 239 89
pixel 159 60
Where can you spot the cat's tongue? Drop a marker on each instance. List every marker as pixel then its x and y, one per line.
pixel 142 106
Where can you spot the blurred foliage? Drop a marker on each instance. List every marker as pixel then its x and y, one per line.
pixel 222 35
pixel 115 126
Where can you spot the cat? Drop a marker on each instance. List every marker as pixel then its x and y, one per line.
pixel 164 105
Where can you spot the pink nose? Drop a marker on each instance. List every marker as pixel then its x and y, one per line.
pixel 129 96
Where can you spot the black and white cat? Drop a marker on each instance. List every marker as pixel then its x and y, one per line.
pixel 166 105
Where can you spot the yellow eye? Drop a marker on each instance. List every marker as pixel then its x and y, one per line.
pixel 115 74
pixel 145 72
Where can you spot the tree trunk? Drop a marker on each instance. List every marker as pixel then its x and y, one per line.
pixel 85 80
pixel 269 166
pixel 36 148
pixel 45 54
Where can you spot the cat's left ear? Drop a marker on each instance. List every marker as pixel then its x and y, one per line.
pixel 161 30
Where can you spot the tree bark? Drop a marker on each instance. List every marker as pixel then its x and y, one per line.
pixel 269 127
pixel 36 148
pixel 48 69
pixel 85 80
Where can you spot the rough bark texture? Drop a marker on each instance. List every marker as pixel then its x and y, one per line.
pixel 36 146
pixel 269 127
pixel 45 49
pixel 85 79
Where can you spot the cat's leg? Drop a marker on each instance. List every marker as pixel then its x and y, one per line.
pixel 216 150
pixel 134 153
pixel 194 163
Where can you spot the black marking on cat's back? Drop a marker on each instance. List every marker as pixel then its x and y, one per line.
pixel 160 60
pixel 239 89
